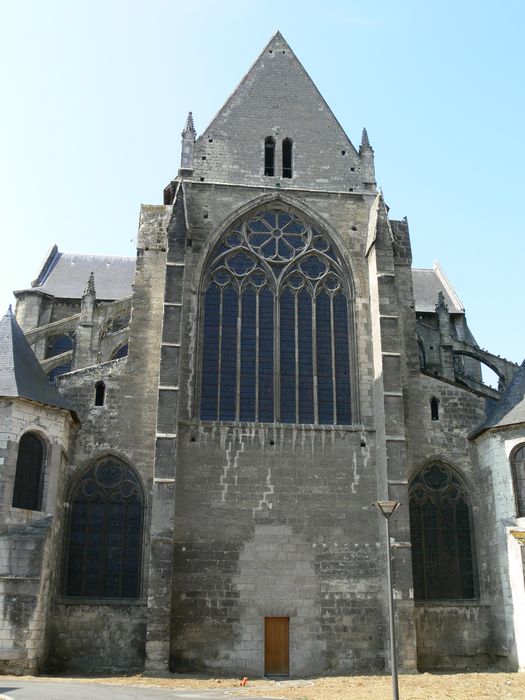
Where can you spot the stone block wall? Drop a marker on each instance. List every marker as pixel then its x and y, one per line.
pixel 457 637
pixel 97 639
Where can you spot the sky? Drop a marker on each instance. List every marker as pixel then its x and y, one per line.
pixel 95 95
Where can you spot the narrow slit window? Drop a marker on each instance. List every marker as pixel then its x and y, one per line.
pixel 287 157
pixel 518 473
pixel 269 156
pixel 434 408
pixel 100 393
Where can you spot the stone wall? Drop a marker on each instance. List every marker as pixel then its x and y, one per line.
pixel 97 638
pixel 456 636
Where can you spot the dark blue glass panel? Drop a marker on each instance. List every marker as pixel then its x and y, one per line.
pixel 210 354
pixel 266 356
pixel 241 263
pixel 59 344
pixel 342 360
pixel 325 394
pixel 121 352
pixel 313 267
pixel 230 312
pixel 248 348
pixel 287 326
pixel 306 395
pixel 57 371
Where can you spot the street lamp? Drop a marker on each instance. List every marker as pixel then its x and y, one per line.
pixel 387 510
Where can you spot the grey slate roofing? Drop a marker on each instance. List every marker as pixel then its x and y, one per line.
pixel 21 375
pixel 64 275
pixel 428 284
pixel 510 409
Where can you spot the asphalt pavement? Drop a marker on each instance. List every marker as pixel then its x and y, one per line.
pixel 43 690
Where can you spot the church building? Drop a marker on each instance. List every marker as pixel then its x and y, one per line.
pixel 192 440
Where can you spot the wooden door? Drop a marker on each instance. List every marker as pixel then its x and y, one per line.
pixel 276 648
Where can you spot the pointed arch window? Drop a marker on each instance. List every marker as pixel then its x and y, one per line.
pixel 269 156
pixel 275 338
pixel 100 393
pixel 440 526
pixel 518 473
pixel 287 157
pixel 29 477
pixel 104 549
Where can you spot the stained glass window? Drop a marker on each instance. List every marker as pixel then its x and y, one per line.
pixel 442 560
pixel 29 477
pixel 518 472
pixel 275 328
pixel 104 554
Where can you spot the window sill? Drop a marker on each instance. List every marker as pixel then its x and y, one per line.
pixel 109 602
pixel 459 603
pixel 285 426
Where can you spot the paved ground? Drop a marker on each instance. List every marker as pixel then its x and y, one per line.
pixel 42 690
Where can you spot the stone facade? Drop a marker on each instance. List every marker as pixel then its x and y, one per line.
pixel 248 521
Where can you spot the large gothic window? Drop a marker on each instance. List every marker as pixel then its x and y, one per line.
pixel 441 536
pixel 29 477
pixel 276 325
pixel 518 473
pixel 104 553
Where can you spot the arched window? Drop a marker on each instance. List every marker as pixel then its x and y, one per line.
pixel 100 393
pixel 56 345
pixel 441 536
pixel 434 408
pixel 29 478
pixel 104 549
pixel 287 157
pixel 518 473
pixel 269 156
pixel 275 344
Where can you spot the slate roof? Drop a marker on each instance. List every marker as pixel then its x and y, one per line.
pixel 510 409
pixel 428 284
pixel 21 375
pixel 64 275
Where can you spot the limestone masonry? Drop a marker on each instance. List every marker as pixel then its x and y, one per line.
pixel 192 440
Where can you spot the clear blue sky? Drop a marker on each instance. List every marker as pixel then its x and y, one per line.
pixel 95 94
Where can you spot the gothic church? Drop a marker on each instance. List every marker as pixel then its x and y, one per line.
pixel 192 440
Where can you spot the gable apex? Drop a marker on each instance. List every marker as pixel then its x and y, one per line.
pixel 277 100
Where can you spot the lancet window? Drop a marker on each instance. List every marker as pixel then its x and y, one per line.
pixel 518 473
pixel 275 336
pixel 440 527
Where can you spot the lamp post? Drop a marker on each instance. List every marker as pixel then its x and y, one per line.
pixel 387 510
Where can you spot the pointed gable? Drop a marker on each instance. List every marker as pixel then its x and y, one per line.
pixel 277 99
pixel 21 375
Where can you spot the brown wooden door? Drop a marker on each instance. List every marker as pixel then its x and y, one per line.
pixel 276 651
